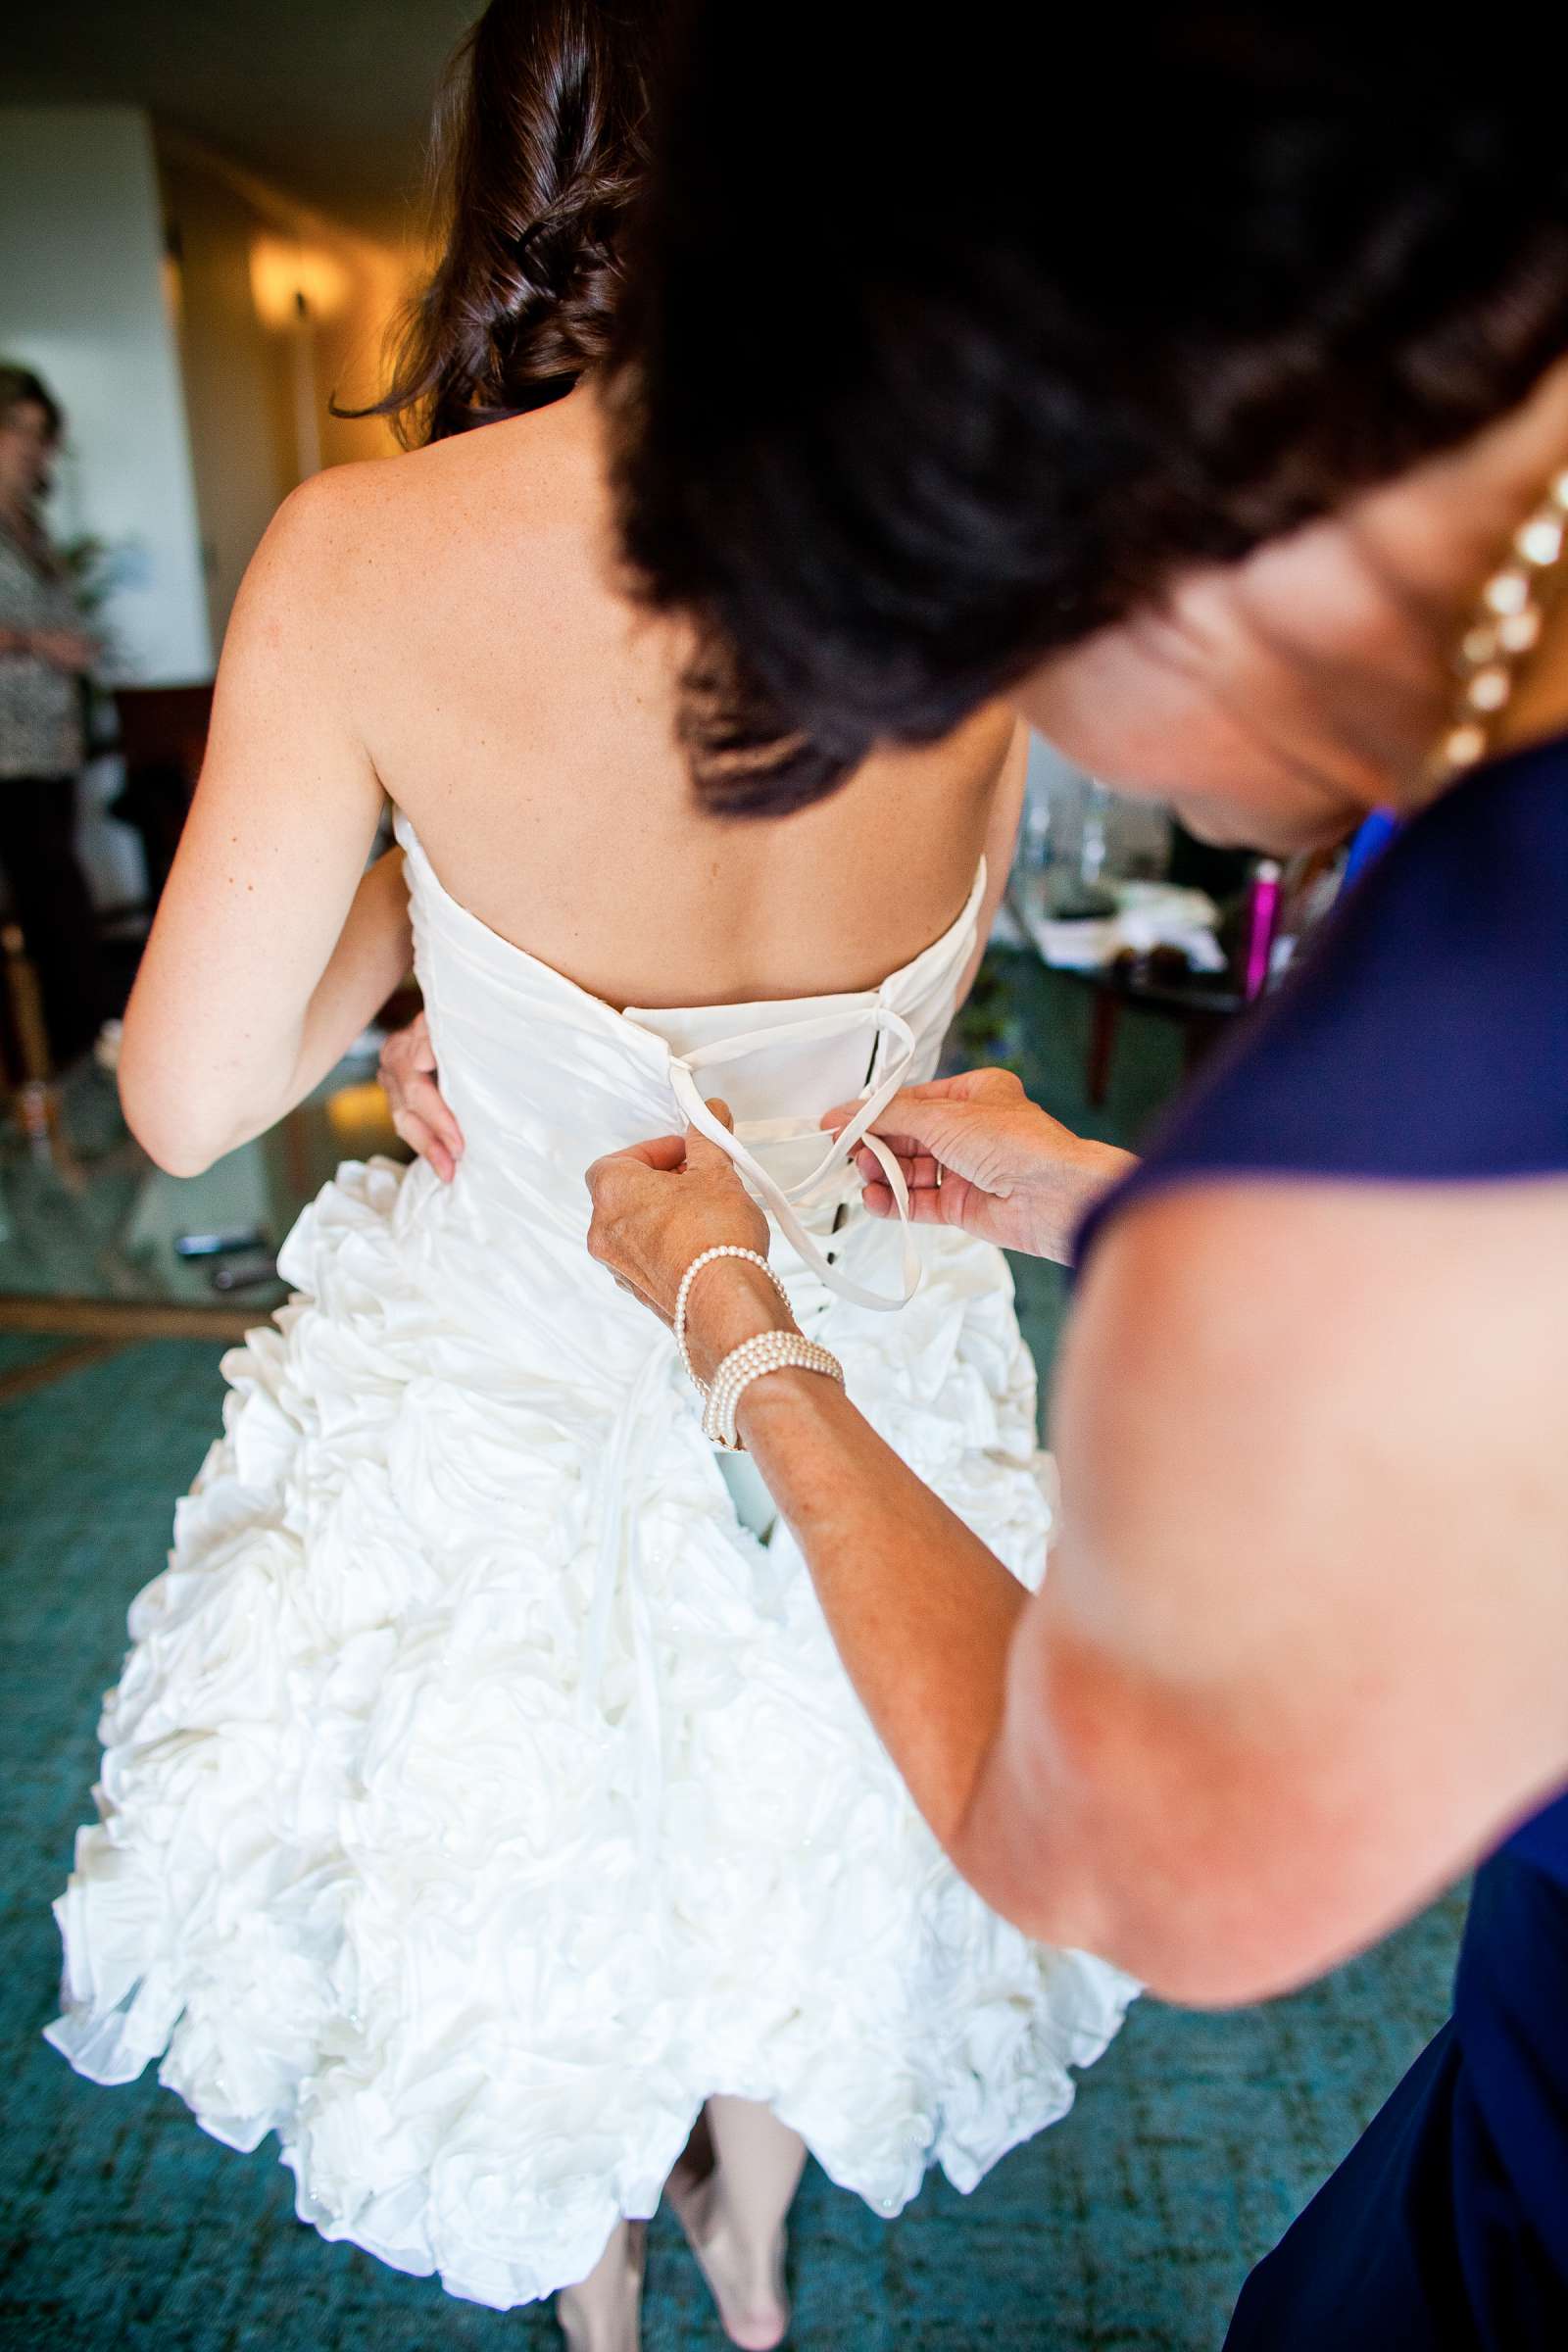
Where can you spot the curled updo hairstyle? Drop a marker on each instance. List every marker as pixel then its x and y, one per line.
pixel 538 157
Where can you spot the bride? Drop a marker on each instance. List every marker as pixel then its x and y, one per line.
pixel 483 1808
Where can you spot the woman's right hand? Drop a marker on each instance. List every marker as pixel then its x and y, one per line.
pixel 976 1153
pixel 419 1113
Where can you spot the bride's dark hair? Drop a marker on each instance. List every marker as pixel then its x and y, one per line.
pixel 538 157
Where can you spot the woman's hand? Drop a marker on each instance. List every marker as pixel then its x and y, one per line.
pixel 977 1153
pixel 662 1203
pixel 419 1113
pixel 70 650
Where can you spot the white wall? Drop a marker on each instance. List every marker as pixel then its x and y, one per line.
pixel 82 299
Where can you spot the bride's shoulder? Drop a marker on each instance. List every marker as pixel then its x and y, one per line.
pixel 325 529
pixel 367 527
pixel 352 537
pixel 350 509
pixel 330 581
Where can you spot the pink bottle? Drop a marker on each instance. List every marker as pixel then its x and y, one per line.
pixel 1262 913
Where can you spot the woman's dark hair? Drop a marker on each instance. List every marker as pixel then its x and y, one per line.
pixel 538 156
pixel 20 387
pixel 1017 324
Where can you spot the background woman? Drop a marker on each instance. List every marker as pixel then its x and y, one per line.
pixel 44 654
pixel 482 1803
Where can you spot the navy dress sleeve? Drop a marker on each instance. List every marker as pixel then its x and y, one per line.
pixel 1424 1040
pixel 1426 1035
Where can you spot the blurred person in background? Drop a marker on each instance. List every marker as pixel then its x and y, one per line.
pixel 45 657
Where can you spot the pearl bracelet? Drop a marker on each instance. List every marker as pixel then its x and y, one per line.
pixel 765 1351
pixel 752 1257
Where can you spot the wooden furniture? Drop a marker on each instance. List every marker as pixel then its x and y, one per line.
pixel 1200 1007
pixel 163 737
pixel 1201 1004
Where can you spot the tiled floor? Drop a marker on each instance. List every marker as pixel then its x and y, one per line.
pixel 1127 2229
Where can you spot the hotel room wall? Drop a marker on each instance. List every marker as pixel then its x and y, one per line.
pixel 83 298
pixel 260 374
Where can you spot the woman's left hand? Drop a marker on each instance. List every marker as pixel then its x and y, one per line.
pixel 419 1112
pixel 660 1204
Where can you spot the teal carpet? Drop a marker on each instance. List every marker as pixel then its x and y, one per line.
pixel 122 2228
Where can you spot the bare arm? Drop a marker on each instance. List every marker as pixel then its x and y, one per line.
pixel 1297 1660
pixel 68 649
pixel 922 1614
pixel 273 945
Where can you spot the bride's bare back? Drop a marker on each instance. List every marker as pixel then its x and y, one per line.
pixel 522 710
pixel 447 627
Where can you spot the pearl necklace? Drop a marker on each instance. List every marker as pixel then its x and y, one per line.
pixel 1505 631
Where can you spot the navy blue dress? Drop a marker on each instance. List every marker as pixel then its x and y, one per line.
pixel 1426 1040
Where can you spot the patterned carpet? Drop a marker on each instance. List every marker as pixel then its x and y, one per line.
pixel 1127 2229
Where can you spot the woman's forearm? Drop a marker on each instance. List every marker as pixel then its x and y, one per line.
pixel 232 1105
pixel 927 1622
pixel 925 1619
pixel 373 954
pixel 930 1624
pixel 921 1611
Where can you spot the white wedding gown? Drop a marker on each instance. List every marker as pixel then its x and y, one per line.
pixel 479 1793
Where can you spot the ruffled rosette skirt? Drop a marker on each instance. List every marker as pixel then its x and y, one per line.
pixel 467 1824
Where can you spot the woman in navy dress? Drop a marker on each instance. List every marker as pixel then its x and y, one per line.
pixel 1250 485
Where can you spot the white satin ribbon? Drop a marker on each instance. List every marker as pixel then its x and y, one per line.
pixel 619 1535
pixel 780 1201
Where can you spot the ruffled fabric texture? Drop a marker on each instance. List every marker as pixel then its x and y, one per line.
pixel 479 1796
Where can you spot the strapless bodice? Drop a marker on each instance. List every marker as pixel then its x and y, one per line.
pixel 545 1077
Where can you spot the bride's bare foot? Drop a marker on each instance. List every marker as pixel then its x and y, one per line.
pixel 600 2315
pixel 745 2279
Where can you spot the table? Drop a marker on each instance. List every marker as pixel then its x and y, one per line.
pixel 1202 1004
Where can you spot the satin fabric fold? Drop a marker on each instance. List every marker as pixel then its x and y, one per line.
pixel 478 1794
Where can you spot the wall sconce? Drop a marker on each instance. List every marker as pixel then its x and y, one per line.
pixel 293 284
pixel 295 287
